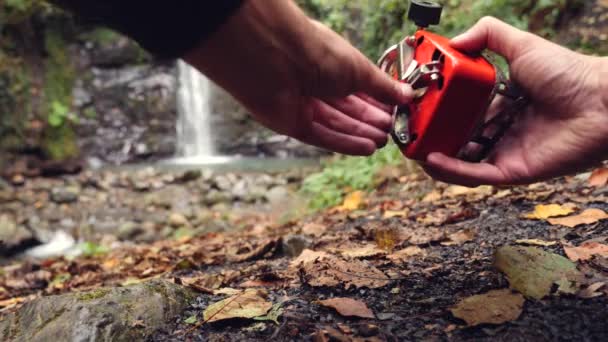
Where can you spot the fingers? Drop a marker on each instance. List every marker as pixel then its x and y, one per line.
pixel 326 138
pixel 376 83
pixel 337 120
pixel 455 171
pixel 495 35
pixel 370 111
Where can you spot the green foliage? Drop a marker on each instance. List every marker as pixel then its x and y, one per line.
pixel 91 249
pixel 373 25
pixel 345 174
pixel 58 114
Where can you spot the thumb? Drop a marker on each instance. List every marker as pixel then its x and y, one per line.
pixel 379 85
pixel 494 35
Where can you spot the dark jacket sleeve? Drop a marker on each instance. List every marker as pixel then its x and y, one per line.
pixel 167 29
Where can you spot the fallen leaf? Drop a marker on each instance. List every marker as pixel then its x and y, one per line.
pixel 405 254
pixel 308 255
pixel 352 201
pixel 588 216
pixel 227 291
pixel 494 307
pixel 460 237
pixel 191 320
pixel 387 238
pixel 586 251
pixel 273 315
pixel 333 271
pixel 599 177
pixel 534 272
pixel 250 303
pixel 432 196
pixel 591 291
pixel 536 242
pixel 543 212
pixel 457 190
pixel 314 229
pixel 263 248
pixel 398 213
pixel 365 251
pixel 348 307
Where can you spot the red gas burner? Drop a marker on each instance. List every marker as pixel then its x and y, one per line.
pixel 454 91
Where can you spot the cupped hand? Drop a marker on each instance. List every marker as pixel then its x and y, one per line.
pixel 564 130
pixel 301 79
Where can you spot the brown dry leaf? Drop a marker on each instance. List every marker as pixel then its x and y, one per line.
pixel 227 291
pixel 586 251
pixel 264 247
pixel 333 271
pixel 425 236
pixel 494 307
pixel 460 237
pixel 308 256
pixel 352 201
pixel 457 190
pixel 536 242
pixel 405 254
pixel 387 238
pixel 348 307
pixel 398 213
pixel 543 212
pixel 250 303
pixel 432 196
pixel 588 216
pixel 599 177
pixel 314 229
pixel 592 291
pixel 365 251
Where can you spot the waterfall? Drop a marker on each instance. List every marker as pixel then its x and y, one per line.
pixel 194 113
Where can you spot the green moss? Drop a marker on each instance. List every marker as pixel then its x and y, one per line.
pixel 59 138
pixel 92 295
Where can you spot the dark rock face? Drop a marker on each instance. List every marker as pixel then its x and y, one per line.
pixel 113 314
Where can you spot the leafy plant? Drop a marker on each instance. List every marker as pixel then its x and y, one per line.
pixel 342 175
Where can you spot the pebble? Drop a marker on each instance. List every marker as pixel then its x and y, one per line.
pixel 64 195
pixel 177 220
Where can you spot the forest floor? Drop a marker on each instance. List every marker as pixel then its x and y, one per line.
pixel 413 260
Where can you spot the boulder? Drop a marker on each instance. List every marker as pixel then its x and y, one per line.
pixel 108 314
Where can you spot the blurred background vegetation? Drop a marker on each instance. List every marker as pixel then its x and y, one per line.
pixel 37 71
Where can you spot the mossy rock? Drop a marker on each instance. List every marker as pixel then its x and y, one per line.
pixel 129 313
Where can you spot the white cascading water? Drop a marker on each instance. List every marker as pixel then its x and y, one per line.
pixel 194 113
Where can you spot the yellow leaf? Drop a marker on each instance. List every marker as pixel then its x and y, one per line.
pixel 588 216
pixel 249 304
pixel 352 201
pixel 543 212
pixel 390 213
pixel 536 242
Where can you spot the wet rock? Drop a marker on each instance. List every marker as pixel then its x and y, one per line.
pixel 177 220
pixel 277 194
pixel 108 314
pixel 65 195
pixel 128 231
pixel 14 238
pixel 293 245
pixel 17 180
pixel 189 176
pixel 216 197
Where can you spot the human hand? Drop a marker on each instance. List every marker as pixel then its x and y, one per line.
pixel 564 130
pixel 301 79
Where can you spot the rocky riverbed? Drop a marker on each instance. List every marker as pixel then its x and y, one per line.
pixel 109 207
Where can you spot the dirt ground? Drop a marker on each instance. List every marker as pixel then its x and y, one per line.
pixel 416 304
